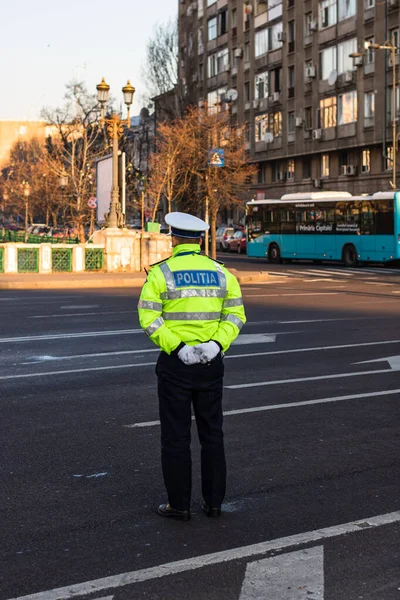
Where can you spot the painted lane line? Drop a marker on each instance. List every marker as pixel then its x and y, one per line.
pixel 268 407
pixel 291 576
pixel 231 356
pixel 294 294
pixel 206 560
pixel 64 336
pixel 304 379
pixel 86 314
pixel 78 306
pixel 395 292
pixel 378 283
pixel 352 319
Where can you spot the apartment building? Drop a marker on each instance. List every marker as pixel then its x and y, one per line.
pixel 316 118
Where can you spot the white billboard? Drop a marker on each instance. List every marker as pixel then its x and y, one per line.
pixel 104 185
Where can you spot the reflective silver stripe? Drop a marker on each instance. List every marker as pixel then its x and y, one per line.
pixel 233 319
pixel 233 302
pixel 154 326
pixel 192 293
pixel 149 305
pixel 169 278
pixel 186 316
pixel 222 279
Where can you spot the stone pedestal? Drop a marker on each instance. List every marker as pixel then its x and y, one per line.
pixel 122 248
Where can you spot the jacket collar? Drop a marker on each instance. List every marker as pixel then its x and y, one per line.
pixel 186 248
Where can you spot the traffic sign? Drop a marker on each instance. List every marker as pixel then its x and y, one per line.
pixel 92 202
pixel 216 157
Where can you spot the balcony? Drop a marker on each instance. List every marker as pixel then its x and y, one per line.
pixel 369 122
pixel 348 130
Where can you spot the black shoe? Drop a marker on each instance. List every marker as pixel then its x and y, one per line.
pixel 211 512
pixel 165 510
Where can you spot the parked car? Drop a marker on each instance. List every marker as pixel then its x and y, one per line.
pixel 238 242
pixel 224 234
pixel 60 232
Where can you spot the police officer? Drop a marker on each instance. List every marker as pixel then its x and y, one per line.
pixel 192 308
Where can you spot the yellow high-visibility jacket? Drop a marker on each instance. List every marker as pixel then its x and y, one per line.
pixel 190 299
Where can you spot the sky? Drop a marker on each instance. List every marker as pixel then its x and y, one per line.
pixel 45 44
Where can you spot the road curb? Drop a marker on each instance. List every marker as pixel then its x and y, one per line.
pixel 73 284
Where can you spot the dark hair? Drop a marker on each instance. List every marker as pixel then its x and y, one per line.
pixel 181 240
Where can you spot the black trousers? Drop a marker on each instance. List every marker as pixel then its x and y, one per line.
pixel 180 386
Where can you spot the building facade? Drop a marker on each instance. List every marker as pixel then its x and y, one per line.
pixel 316 118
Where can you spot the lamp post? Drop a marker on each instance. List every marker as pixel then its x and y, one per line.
pixel 393 49
pixel 115 126
pixel 27 192
pixel 3 213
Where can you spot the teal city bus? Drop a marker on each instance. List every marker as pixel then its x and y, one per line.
pixel 323 226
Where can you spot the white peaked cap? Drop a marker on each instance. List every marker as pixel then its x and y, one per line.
pixel 184 225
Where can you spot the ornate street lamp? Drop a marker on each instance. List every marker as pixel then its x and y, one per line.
pixel 115 126
pixel 27 193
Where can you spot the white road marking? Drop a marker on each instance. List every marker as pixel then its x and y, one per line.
pixel 64 336
pixel 79 306
pixel 291 576
pixel 294 294
pixel 231 356
pixel 304 379
pixel 199 562
pixel 394 362
pixel 378 283
pixel 254 338
pixel 85 314
pixel 268 407
pixel 314 280
pixel 395 292
pixel 352 319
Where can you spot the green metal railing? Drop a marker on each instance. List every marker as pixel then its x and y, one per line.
pixel 28 260
pixel 1 260
pixel 61 260
pixel 19 237
pixel 94 259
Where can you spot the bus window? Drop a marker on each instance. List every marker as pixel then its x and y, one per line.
pixel 347 217
pixel 288 220
pixel 367 218
pixel 384 217
pixel 271 220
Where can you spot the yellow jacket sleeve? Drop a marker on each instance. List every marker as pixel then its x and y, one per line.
pixel 233 316
pixel 150 310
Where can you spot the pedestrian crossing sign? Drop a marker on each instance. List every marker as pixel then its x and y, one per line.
pixel 216 157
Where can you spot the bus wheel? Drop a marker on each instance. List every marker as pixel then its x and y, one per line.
pixel 274 254
pixel 349 256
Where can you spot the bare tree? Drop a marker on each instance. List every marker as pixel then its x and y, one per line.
pixel 78 141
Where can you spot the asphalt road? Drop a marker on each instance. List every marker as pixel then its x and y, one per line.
pixel 312 440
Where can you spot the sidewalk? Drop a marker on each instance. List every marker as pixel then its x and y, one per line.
pixel 33 281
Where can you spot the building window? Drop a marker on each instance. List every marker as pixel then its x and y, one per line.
pixel 261 173
pixel 234 18
pixel 223 60
pixel 261 85
pixel 369 4
pixel 327 13
pixel 275 124
pixel 211 2
pixel 212 101
pixel 247 91
pixel 223 22
pixel 291 36
pixel 275 80
pixel 390 104
pixel 212 29
pixel 325 165
pixel 290 170
pixel 247 52
pixel 389 158
pixel 291 122
pixel 308 19
pixel 395 37
pixel 347 108
pixel 306 168
pixel 273 41
pixel 327 108
pixel 344 62
pixel 261 124
pixel 328 62
pixel 274 9
pixel 308 118
pixel 347 9
pixel 261 42
pixel 366 161
pixel 370 52
pixel 369 105
pixel 291 80
pixel 221 93
pixel 212 65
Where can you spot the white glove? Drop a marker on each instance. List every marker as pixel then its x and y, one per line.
pixel 207 352
pixel 188 355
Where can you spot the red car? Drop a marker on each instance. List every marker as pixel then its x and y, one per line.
pixel 238 242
